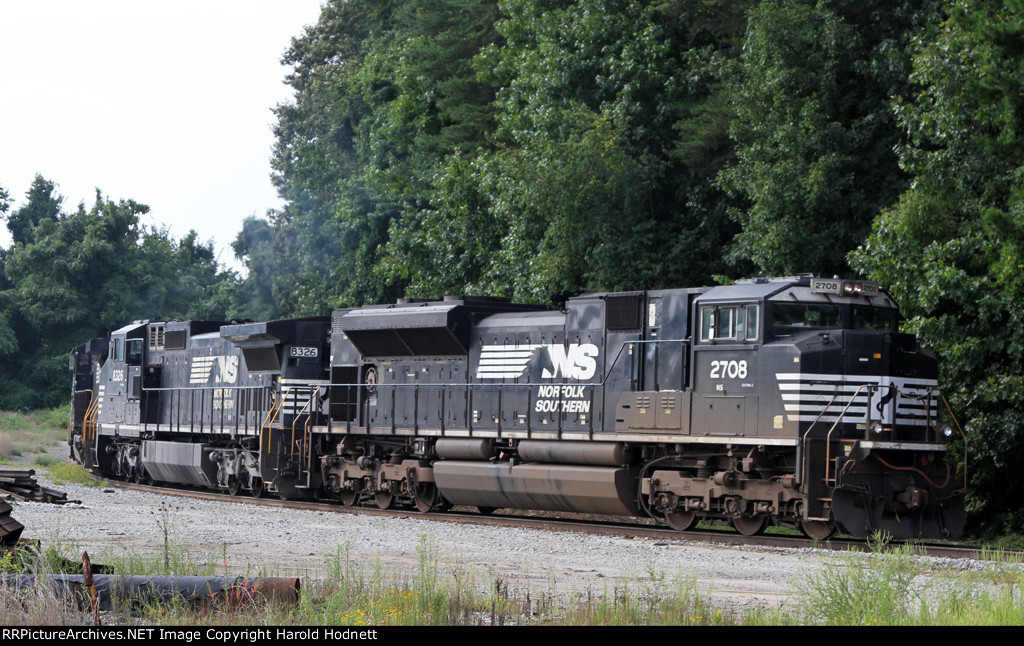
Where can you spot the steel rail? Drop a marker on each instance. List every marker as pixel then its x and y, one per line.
pixel 568 522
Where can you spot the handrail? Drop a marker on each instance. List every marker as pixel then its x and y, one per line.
pixel 85 418
pixel 828 436
pixel 305 428
pixel 295 419
pixel 190 391
pixel 842 415
pixel 174 388
pixel 469 387
pixel 265 424
pixel 91 418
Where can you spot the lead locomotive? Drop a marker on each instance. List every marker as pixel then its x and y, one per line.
pixel 791 401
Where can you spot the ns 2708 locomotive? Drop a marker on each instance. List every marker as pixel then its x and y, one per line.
pixel 790 401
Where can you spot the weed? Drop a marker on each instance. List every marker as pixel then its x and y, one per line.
pixel 888 587
pixel 32 432
pixel 885 587
pixel 65 472
pixel 879 541
pixel 46 460
pixel 164 520
pixel 856 589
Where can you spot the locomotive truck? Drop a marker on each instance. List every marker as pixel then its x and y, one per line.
pixel 790 401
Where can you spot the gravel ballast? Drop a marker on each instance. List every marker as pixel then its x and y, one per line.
pixel 279 542
pixel 270 541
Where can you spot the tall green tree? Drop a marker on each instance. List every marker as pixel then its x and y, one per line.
pixel 383 92
pixel 42 203
pixel 254 246
pixel 815 129
pixel 952 248
pixel 601 174
pixel 8 339
pixel 74 276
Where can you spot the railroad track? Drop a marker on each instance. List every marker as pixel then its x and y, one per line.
pixel 520 519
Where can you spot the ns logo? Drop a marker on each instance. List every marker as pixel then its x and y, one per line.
pixel 223 369
pixel 578 361
pixel 575 361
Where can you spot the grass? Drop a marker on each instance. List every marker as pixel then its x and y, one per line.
pixel 895 586
pixel 28 437
pixel 358 595
pixel 63 473
pixel 25 433
pixel 892 586
pixel 46 460
pixel 351 592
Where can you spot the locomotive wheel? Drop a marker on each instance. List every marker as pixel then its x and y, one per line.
pixel 426 496
pixel 234 485
pixel 818 530
pixel 681 521
pixel 384 499
pixel 257 488
pixel 348 497
pixel 750 525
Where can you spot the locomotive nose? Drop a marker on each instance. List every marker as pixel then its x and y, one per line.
pixel 892 354
pixel 866 352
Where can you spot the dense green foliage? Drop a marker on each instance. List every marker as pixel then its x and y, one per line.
pixel 526 147
pixel 70 276
pixel 815 129
pixel 601 173
pixel 518 150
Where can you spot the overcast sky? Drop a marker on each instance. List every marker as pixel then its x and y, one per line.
pixel 165 103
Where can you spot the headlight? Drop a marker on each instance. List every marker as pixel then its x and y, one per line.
pixel 876 427
pixel 946 429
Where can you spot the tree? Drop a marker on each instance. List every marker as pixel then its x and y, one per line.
pixel 43 204
pixel 815 130
pixel 383 92
pixel 75 276
pixel 8 339
pixel 601 174
pixel 254 246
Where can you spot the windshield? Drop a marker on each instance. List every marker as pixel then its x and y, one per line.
pixel 805 315
pixel 873 318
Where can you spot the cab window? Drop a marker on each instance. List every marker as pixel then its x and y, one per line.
pixel 134 352
pixel 728 323
pixel 873 318
pixel 805 315
pixel 118 351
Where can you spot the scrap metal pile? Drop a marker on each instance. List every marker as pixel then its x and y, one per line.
pixel 10 529
pixel 18 484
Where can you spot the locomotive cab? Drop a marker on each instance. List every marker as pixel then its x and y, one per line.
pixel 818 365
